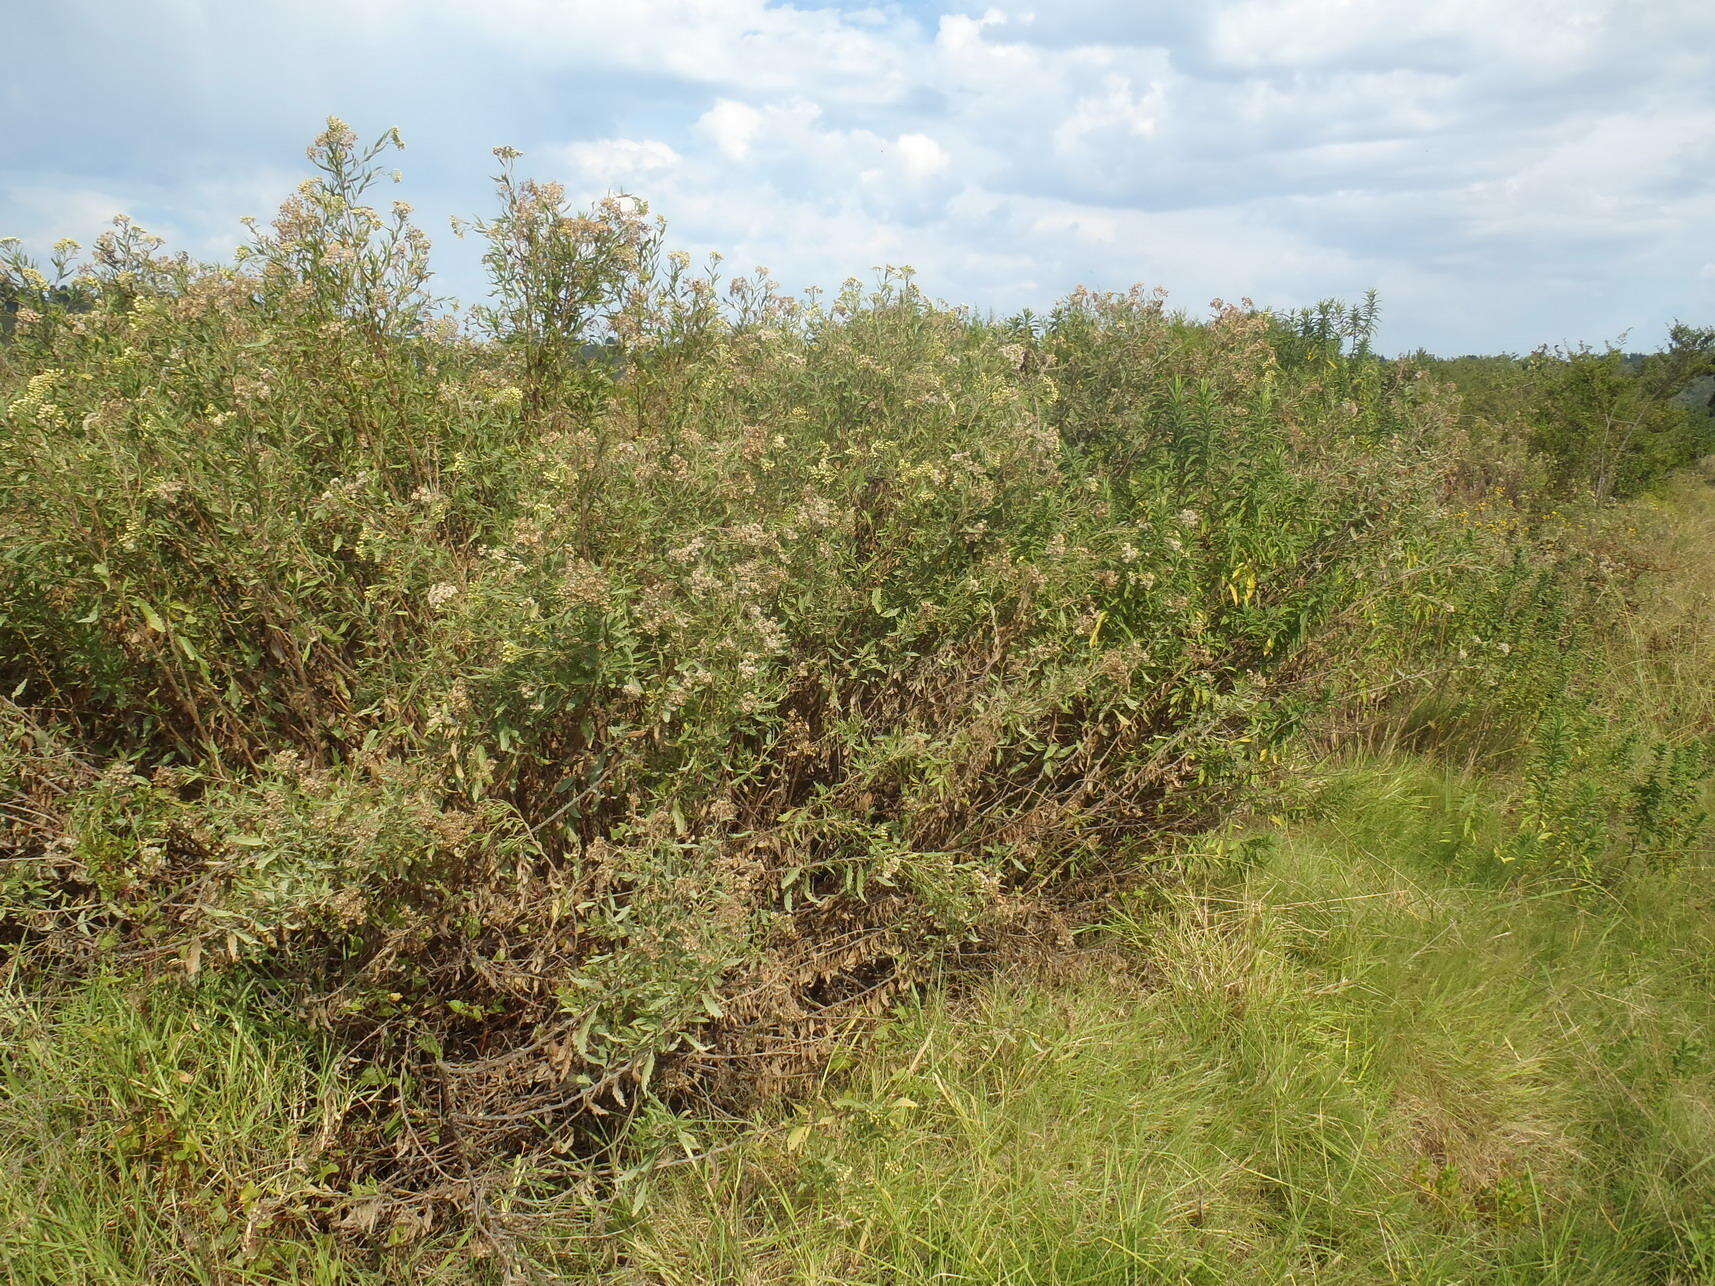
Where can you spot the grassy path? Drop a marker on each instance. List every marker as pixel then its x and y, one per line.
pixel 1353 1055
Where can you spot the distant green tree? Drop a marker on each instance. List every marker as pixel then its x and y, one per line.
pixel 1608 426
pixel 1685 370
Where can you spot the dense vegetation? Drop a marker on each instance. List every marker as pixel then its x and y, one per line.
pixel 1598 422
pixel 1354 1039
pixel 458 764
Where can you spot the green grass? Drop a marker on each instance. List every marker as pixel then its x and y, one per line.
pixel 152 1133
pixel 1353 1055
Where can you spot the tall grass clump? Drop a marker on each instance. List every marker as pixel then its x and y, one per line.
pixel 615 692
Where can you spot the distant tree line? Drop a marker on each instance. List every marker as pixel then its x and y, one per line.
pixel 1600 420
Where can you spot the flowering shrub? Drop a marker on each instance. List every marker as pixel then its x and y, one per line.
pixel 621 691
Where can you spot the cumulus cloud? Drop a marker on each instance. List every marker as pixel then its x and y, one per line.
pixel 732 127
pixel 921 155
pixel 618 160
pixel 1504 174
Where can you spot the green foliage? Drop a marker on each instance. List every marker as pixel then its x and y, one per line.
pixel 1337 1058
pixel 1595 801
pixel 566 695
pixel 607 702
pixel 1601 422
pixel 1601 429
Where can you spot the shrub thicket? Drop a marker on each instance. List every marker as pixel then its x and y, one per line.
pixel 617 691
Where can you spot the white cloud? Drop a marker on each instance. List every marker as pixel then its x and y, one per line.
pixel 737 128
pixel 760 46
pixel 733 127
pixel 1623 177
pixel 619 160
pixel 1100 229
pixel 922 155
pixel 42 212
pixel 1551 35
pixel 1114 116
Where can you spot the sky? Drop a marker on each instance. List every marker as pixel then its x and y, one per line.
pixel 1506 173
